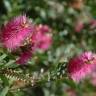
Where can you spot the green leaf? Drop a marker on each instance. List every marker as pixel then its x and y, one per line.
pixel 4 79
pixel 9 63
pixel 4 91
pixel 2 57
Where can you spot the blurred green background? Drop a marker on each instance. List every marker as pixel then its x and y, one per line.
pixel 66 43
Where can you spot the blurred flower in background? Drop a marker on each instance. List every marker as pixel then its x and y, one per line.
pixel 42 38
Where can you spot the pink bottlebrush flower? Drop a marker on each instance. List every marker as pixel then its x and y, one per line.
pixel 16 31
pixel 42 39
pixel 79 26
pixel 24 57
pixel 82 65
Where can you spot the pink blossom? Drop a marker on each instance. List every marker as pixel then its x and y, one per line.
pixel 93 23
pixel 81 66
pixel 42 39
pixel 24 57
pixel 16 31
pixel 79 26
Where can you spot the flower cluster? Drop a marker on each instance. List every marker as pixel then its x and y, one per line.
pixel 81 66
pixel 21 32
